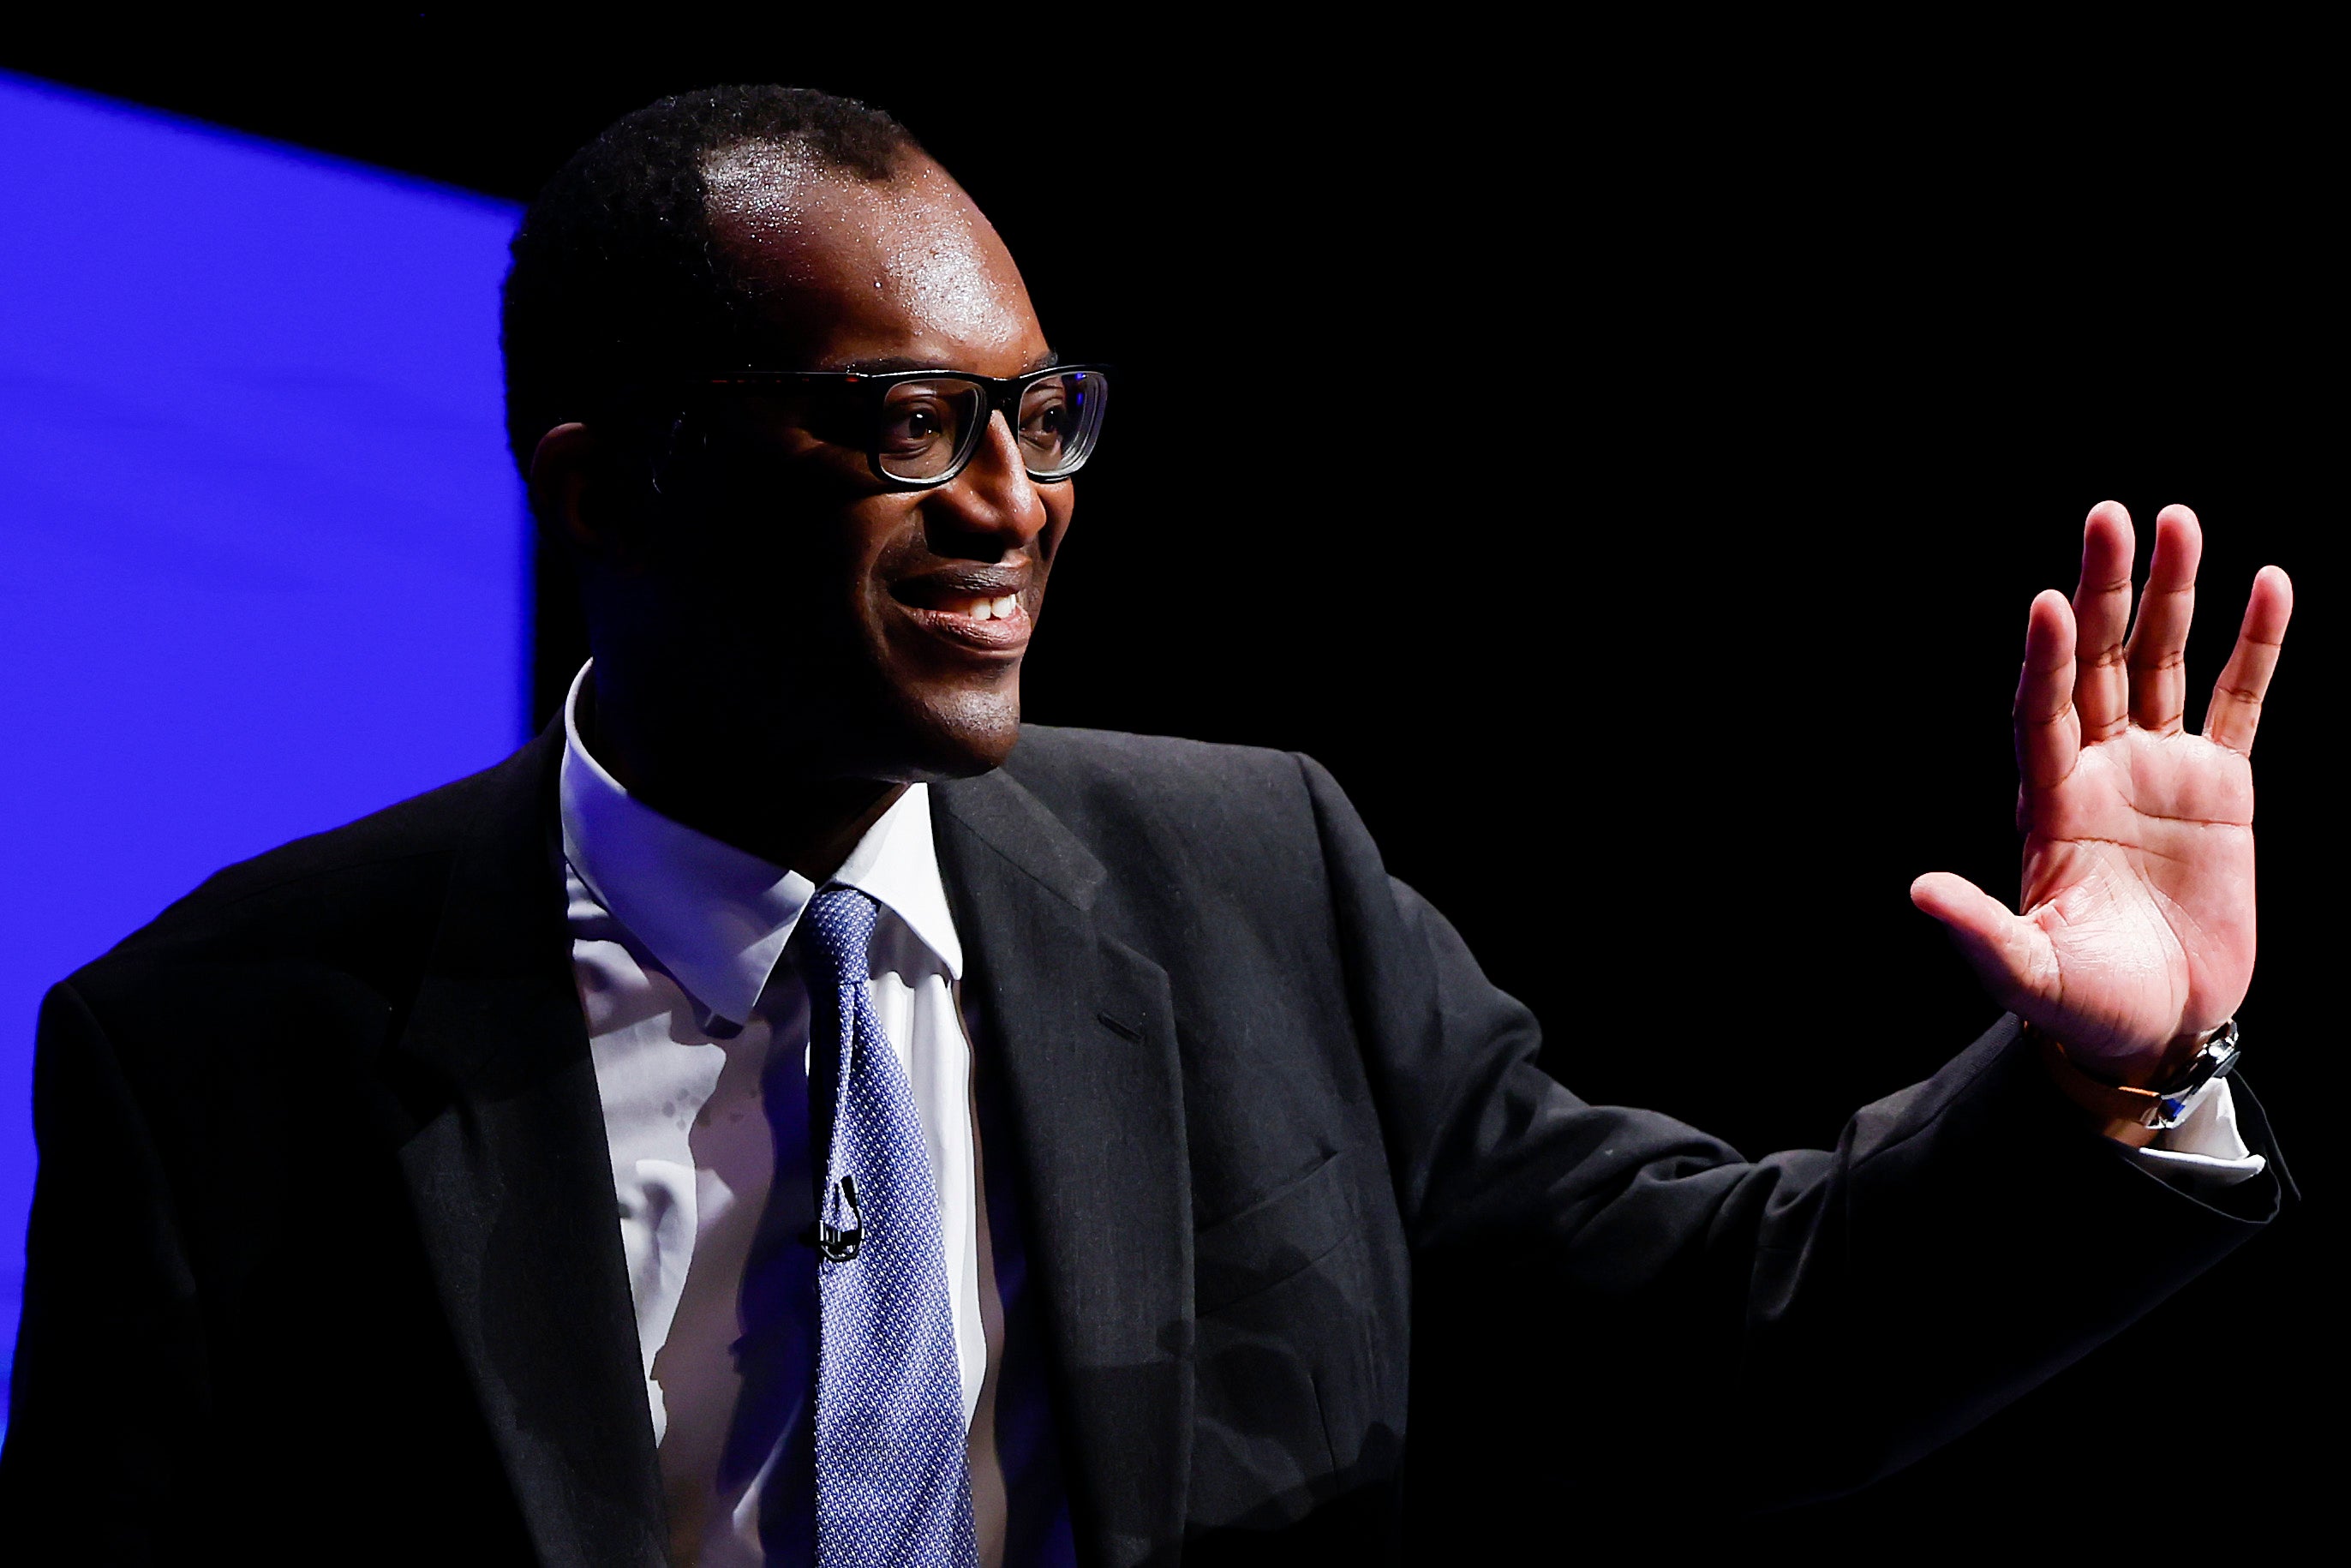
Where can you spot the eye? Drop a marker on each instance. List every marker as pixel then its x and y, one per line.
pixel 919 425
pixel 922 426
pixel 1045 418
pixel 916 423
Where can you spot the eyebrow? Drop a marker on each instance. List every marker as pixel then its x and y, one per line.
pixel 889 363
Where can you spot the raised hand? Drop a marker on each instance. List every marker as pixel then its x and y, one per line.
pixel 2138 932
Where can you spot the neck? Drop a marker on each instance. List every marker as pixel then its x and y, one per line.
pixel 805 824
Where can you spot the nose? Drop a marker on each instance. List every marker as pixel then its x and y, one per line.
pixel 992 508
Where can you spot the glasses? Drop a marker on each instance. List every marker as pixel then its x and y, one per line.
pixel 920 427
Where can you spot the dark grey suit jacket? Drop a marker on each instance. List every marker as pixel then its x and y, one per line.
pixel 324 1262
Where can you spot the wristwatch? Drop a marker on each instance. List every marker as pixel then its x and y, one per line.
pixel 2135 1116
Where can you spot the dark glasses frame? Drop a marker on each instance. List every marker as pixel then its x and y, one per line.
pixel 1002 394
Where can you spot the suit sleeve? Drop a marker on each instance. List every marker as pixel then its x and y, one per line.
pixel 1771 1330
pixel 108 1384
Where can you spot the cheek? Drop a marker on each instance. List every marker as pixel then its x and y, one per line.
pixel 1060 505
pixel 886 541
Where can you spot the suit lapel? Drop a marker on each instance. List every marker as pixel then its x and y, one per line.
pixel 1083 1031
pixel 512 1187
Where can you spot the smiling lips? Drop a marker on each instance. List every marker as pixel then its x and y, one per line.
pixel 996 623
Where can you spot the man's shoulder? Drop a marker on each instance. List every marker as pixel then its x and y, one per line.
pixel 1092 772
pixel 1048 751
pixel 374 884
pixel 1157 811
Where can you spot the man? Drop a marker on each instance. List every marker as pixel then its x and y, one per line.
pixel 786 1113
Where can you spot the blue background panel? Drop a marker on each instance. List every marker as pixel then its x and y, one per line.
pixel 265 562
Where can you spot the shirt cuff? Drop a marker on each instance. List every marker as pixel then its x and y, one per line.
pixel 2206 1149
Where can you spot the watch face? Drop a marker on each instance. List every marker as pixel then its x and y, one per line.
pixel 2213 1059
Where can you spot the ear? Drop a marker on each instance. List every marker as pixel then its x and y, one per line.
pixel 562 481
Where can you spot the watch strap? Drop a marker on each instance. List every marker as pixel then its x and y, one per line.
pixel 2137 1117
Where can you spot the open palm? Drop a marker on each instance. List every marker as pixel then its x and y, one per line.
pixel 2137 935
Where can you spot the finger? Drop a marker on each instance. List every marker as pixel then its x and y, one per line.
pixel 2158 640
pixel 2048 727
pixel 2012 956
pixel 2102 610
pixel 2236 710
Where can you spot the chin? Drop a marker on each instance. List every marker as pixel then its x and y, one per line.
pixel 957 734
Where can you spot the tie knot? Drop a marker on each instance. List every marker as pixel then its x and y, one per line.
pixel 840 922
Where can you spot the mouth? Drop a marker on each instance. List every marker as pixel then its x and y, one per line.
pixel 980 610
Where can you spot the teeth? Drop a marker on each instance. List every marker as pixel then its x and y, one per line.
pixel 1002 609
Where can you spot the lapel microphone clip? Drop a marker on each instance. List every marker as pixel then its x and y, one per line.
pixel 839 1245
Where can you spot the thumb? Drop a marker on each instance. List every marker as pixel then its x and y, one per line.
pixel 2011 954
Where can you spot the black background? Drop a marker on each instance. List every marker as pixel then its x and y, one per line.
pixel 1627 466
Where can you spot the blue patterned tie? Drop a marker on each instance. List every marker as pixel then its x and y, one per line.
pixel 892 1487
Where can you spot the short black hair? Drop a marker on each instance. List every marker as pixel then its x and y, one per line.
pixel 614 280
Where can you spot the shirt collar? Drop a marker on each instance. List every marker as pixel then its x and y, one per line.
pixel 717 917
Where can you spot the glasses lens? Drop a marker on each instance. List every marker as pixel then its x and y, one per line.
pixel 926 426
pixel 1059 417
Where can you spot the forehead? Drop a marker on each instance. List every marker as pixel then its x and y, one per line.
pixel 846 269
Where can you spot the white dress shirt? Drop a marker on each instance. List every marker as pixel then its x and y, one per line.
pixel 2207 1148
pixel 679 949
pixel 677 940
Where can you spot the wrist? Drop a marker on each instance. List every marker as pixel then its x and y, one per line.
pixel 2137 1069
pixel 2137 1112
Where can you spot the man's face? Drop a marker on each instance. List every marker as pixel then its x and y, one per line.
pixel 868 632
